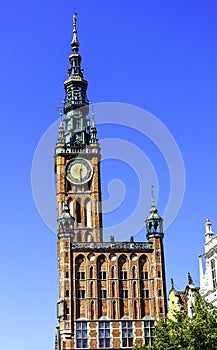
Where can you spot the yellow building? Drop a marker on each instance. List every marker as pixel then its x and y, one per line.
pixel 181 300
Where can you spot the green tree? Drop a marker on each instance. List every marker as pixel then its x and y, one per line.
pixel 196 333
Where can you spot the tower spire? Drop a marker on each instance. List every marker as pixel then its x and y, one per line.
pixel 75 43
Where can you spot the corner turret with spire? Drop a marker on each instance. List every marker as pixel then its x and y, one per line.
pixel 154 223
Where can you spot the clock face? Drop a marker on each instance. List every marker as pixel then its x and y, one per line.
pixel 79 171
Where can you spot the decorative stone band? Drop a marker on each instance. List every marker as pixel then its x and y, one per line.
pixel 125 246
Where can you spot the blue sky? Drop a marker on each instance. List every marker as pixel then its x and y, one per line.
pixel 159 56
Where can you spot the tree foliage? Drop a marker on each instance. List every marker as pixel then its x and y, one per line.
pixel 196 333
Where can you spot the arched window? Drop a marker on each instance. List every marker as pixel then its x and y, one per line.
pixel 135 309
pixel 88 213
pixel 114 310
pixel 113 271
pixel 91 289
pixel 78 210
pixel 113 289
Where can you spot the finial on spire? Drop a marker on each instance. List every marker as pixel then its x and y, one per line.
pixel 75 43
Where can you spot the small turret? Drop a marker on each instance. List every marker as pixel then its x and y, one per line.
pixel 93 132
pixel 66 223
pixel 209 233
pixel 60 138
pixel 154 223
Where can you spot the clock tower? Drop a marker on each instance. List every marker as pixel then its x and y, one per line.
pixel 110 293
pixel 77 154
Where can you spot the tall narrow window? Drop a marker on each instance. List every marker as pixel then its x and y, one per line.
pixel 104 334
pixel 123 275
pixel 135 309
pixel 144 275
pixel 78 210
pixel 102 275
pixel 124 293
pixel 213 273
pixel 81 275
pixel 81 335
pixel 114 310
pixel 88 213
pixel 113 289
pixel 91 289
pixel 102 293
pixel 91 272
pixel 81 294
pixel 127 334
pixel 113 272
pixel 145 293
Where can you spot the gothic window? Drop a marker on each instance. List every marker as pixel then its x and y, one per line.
pixel 124 293
pixel 135 309
pixel 113 289
pixel 104 334
pixel 144 275
pixel 91 289
pixel 81 275
pixel 102 275
pixel 81 335
pixel 88 213
pixel 81 294
pixel 67 274
pixel 78 210
pixel 213 273
pixel 148 331
pixel 123 275
pixel 127 334
pixel 114 310
pixel 102 293
pixel 67 293
pixel 145 294
pixel 113 271
pixel 91 272
pixel 159 293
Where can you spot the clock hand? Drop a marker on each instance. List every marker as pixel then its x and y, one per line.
pixel 80 173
